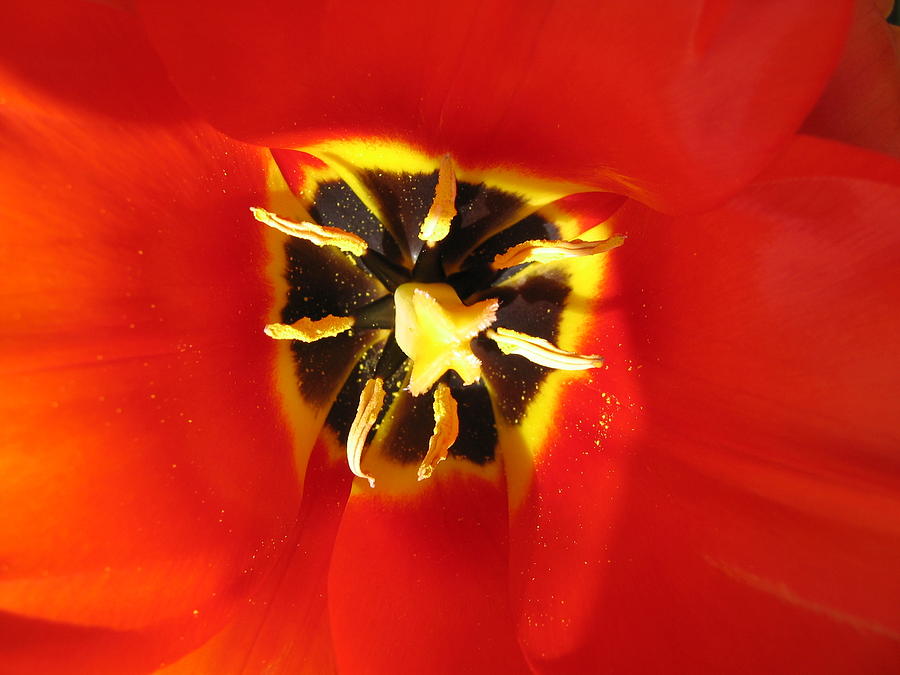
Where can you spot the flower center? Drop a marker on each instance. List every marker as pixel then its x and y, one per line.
pixel 435 330
pixel 443 319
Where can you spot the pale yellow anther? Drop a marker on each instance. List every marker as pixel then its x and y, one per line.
pixel 436 225
pixel 446 429
pixel 544 251
pixel 435 330
pixel 320 235
pixel 540 351
pixel 370 402
pixel 309 330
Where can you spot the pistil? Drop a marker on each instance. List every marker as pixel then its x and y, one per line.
pixel 435 330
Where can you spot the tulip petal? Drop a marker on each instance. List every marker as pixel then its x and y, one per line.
pixel 418 583
pixel 674 104
pixel 753 522
pixel 861 104
pixel 283 627
pixel 148 471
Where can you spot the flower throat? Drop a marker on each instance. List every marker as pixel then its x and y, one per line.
pixel 450 317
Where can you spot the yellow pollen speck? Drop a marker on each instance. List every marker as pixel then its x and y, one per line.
pixel 436 225
pixel 319 235
pixel 308 330
pixel 370 402
pixel 540 351
pixel 435 330
pixel 446 429
pixel 544 251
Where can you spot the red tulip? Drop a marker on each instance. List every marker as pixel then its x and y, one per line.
pixel 722 495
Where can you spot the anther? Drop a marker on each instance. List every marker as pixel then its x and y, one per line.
pixel 544 251
pixel 309 330
pixel 446 429
pixel 320 235
pixel 436 225
pixel 540 351
pixel 370 402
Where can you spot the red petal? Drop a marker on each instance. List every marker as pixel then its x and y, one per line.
pixel 418 584
pixel 675 104
pixel 756 526
pixel 283 627
pixel 861 104
pixel 564 501
pixel 146 460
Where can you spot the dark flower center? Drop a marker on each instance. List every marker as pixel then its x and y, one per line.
pixel 418 300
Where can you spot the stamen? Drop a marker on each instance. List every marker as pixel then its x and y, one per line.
pixel 446 429
pixel 436 225
pixel 308 330
pixel 544 251
pixel 540 351
pixel 320 235
pixel 370 401
pixel 435 330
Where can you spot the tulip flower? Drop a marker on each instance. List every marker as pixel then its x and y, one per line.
pixel 483 338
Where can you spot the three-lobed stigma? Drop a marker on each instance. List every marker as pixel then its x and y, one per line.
pixel 432 326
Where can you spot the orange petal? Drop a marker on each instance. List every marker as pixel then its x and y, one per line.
pixel 148 469
pixel 283 626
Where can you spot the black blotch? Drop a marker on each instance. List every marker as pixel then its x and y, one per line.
pixel 514 379
pixel 480 211
pixel 320 364
pixel 379 314
pixel 391 362
pixel 476 273
pixel 404 200
pixel 389 273
pixel 323 281
pixel 412 422
pixel 406 437
pixel 534 226
pixel 534 307
pixel 477 440
pixel 336 205
pixel 343 411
